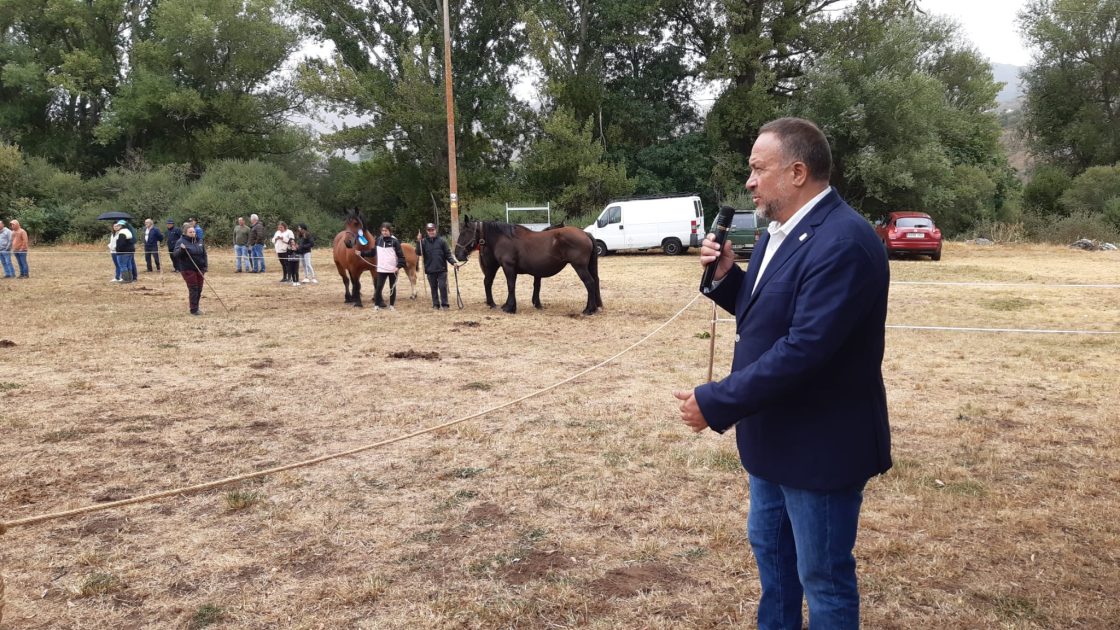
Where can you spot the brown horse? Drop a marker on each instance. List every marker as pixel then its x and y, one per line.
pixel 516 249
pixel 351 265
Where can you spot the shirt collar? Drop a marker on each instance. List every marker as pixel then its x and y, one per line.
pixel 786 227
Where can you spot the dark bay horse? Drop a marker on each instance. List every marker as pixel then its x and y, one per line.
pixel 518 250
pixel 351 266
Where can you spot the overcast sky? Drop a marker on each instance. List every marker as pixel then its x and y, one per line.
pixel 991 26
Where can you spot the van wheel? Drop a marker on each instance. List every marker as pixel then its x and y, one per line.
pixel 601 248
pixel 671 247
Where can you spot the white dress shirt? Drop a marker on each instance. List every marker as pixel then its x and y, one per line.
pixel 780 230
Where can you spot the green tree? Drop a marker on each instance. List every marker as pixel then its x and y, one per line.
pixel 60 62
pixel 1072 110
pixel 205 85
pixel 1041 193
pixel 238 188
pixel 1095 192
pixel 387 68
pixel 568 166
pixel 909 115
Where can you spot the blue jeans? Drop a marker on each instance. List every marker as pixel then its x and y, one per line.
pixel 256 259
pixel 21 258
pixel 126 262
pixel 240 253
pixel 6 262
pixel 802 542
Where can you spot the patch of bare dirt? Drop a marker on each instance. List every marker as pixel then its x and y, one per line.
pixel 413 354
pixel 102 526
pixel 468 324
pixel 485 514
pixel 631 581
pixel 7 343
pixel 535 566
pixel 263 364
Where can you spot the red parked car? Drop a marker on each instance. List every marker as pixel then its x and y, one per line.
pixel 910 233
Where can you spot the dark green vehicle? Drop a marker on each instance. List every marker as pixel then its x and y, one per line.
pixel 743 234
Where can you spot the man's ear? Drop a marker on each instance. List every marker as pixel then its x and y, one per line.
pixel 800 174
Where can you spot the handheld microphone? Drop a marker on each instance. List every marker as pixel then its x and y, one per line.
pixel 722 224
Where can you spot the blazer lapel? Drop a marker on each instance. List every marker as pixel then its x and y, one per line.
pixel 796 240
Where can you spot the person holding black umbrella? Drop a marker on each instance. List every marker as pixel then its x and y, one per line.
pixel 190 258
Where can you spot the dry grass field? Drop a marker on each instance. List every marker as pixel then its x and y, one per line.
pixel 585 507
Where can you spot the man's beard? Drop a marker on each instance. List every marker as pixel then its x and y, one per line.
pixel 770 209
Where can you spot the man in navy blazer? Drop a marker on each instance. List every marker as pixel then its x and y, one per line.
pixel 805 392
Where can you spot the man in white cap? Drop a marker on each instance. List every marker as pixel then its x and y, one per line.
pixel 436 255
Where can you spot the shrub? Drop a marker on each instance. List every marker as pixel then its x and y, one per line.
pixel 1065 230
pixel 1096 191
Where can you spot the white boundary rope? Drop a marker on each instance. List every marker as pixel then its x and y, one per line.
pixel 1035 331
pixel 32 520
pixel 1043 285
pixel 1038 331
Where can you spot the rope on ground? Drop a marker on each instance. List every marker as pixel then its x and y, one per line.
pixel 32 520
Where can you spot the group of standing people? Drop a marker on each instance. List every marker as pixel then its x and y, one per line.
pixel 13 242
pixel 248 245
pixel 293 250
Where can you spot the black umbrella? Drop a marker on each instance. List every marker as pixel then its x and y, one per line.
pixel 114 216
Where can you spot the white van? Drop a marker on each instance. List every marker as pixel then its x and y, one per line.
pixel 672 223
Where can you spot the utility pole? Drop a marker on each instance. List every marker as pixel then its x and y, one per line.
pixel 452 167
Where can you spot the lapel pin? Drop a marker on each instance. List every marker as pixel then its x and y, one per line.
pixel 804 235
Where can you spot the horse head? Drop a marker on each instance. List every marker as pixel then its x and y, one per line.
pixel 470 235
pixel 355 226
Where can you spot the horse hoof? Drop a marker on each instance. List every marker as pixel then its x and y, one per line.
pixel 356 305
pixel 538 307
pixel 510 310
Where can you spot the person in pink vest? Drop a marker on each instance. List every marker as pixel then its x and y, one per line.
pixel 390 259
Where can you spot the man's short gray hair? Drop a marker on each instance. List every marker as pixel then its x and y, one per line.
pixel 254 217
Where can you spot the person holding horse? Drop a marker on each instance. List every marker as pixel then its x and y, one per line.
pixel 390 260
pixel 436 254
pixel 190 256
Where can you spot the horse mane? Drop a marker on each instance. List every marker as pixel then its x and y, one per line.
pixel 492 229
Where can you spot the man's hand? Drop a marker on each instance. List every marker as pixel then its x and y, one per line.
pixel 711 252
pixel 690 411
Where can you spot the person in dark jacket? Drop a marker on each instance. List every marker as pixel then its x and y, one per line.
pixel 126 251
pixel 152 239
pixel 305 243
pixel 173 236
pixel 191 258
pixel 805 393
pixel 436 254
pixel 390 260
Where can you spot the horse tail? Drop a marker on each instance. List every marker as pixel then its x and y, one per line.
pixel 593 267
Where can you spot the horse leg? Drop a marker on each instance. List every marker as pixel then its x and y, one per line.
pixel 592 285
pixel 358 291
pixel 511 285
pixel 412 281
pixel 537 292
pixel 488 283
pixel 346 288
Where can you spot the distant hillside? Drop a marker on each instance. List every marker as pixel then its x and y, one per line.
pixel 1009 76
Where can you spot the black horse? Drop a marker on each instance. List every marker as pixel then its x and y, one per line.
pixel 516 249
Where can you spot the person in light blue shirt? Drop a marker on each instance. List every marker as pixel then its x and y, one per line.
pixel 6 251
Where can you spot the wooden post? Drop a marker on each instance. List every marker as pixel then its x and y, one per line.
pixel 452 174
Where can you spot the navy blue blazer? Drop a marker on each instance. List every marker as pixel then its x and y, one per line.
pixel 806 391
